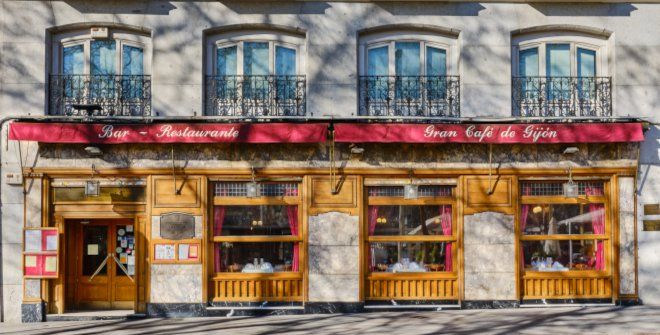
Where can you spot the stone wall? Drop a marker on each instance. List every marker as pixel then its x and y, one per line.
pixel 176 283
pixel 627 282
pixel 333 258
pixel 489 257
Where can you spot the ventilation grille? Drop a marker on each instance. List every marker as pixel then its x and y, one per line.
pixel 239 189
pixel 557 188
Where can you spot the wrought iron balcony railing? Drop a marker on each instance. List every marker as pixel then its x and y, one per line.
pixel 562 96
pixel 256 96
pixel 415 96
pixel 105 95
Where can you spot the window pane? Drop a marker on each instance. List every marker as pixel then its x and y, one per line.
pixel 255 220
pixel 558 60
pixel 73 60
pixel 410 257
pixel 285 61
pixel 543 219
pixel 377 62
pixel 436 62
pixel 528 62
pixel 226 63
pixel 553 255
pixel 409 220
pixel 255 58
pixel 406 56
pixel 94 235
pixel 256 257
pixel 586 62
pixel 103 57
pixel 132 61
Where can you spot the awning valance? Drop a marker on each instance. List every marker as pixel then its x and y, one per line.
pixel 169 133
pixel 489 133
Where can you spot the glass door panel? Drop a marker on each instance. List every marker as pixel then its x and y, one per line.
pixel 256 67
pixel 95 249
pixel 103 57
pixel 558 69
pixel 377 70
pixel 125 249
pixel 132 71
pixel 73 67
pixel 407 69
pixel 285 69
pixel 436 70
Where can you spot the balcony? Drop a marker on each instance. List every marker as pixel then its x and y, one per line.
pixel 269 96
pixel 562 96
pixel 410 96
pixel 100 95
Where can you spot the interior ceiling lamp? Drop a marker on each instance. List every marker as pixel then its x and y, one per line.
pixel 411 191
pixel 253 186
pixel 571 188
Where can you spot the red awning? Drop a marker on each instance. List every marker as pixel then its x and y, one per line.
pixel 169 133
pixel 489 133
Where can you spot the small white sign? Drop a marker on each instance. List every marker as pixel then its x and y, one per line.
pixel 92 249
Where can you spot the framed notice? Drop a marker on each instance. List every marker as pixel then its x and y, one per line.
pixel 41 252
pixel 187 251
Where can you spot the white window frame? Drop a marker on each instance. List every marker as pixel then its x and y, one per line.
pixel 84 38
pixel 575 41
pixel 218 41
pixel 448 44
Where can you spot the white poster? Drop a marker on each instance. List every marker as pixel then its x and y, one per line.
pixel 51 242
pixel 129 228
pixel 164 251
pixel 131 260
pixel 92 249
pixel 33 240
pixel 183 251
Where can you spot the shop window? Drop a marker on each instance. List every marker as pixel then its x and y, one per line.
pixel 563 234
pixel 259 234
pixel 410 235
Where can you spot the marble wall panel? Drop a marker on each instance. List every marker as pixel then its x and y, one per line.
pixel 627 274
pixel 176 283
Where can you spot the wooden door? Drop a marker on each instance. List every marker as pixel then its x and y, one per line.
pixel 99 281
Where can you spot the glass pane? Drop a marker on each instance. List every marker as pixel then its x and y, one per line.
pixel 553 255
pixel 95 249
pixel 125 249
pixel 73 60
pixel 132 61
pixel 256 257
pixel 285 61
pixel 409 220
pixel 586 61
pixel 106 194
pixel 406 56
pixel 103 57
pixel 377 62
pixel 410 257
pixel 542 219
pixel 558 60
pixel 226 64
pixel 255 58
pixel 255 220
pixel 528 62
pixel 436 62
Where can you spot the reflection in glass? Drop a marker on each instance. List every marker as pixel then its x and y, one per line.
pixel 558 64
pixel 285 65
pixel 555 255
pixel 409 256
pixel 573 219
pixel 407 69
pixel 408 220
pixel 255 63
pixel 132 71
pixel 103 58
pixel 73 66
pixel 256 257
pixel 256 220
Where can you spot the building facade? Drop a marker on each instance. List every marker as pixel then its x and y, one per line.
pixel 201 158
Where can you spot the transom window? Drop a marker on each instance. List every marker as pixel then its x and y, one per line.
pixel 558 60
pixel 102 57
pixel 407 58
pixel 256 58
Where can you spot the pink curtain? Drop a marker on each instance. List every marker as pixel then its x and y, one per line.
pixel 372 217
pixel 597 212
pixel 445 223
pixel 524 212
pixel 292 213
pixel 218 219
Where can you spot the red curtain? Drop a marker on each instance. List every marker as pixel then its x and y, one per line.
pixel 524 212
pixel 445 223
pixel 597 212
pixel 372 220
pixel 218 219
pixel 292 214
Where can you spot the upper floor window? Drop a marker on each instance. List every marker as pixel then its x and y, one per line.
pixel 562 76
pixel 100 75
pixel 409 74
pixel 255 74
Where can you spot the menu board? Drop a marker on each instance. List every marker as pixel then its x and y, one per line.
pixel 164 252
pixel 188 251
pixel 40 255
pixel 171 252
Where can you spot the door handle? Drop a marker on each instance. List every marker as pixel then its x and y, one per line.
pixel 105 260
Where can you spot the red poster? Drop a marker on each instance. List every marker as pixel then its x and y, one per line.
pixel 489 133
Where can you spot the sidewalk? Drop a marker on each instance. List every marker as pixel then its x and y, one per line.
pixel 565 320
